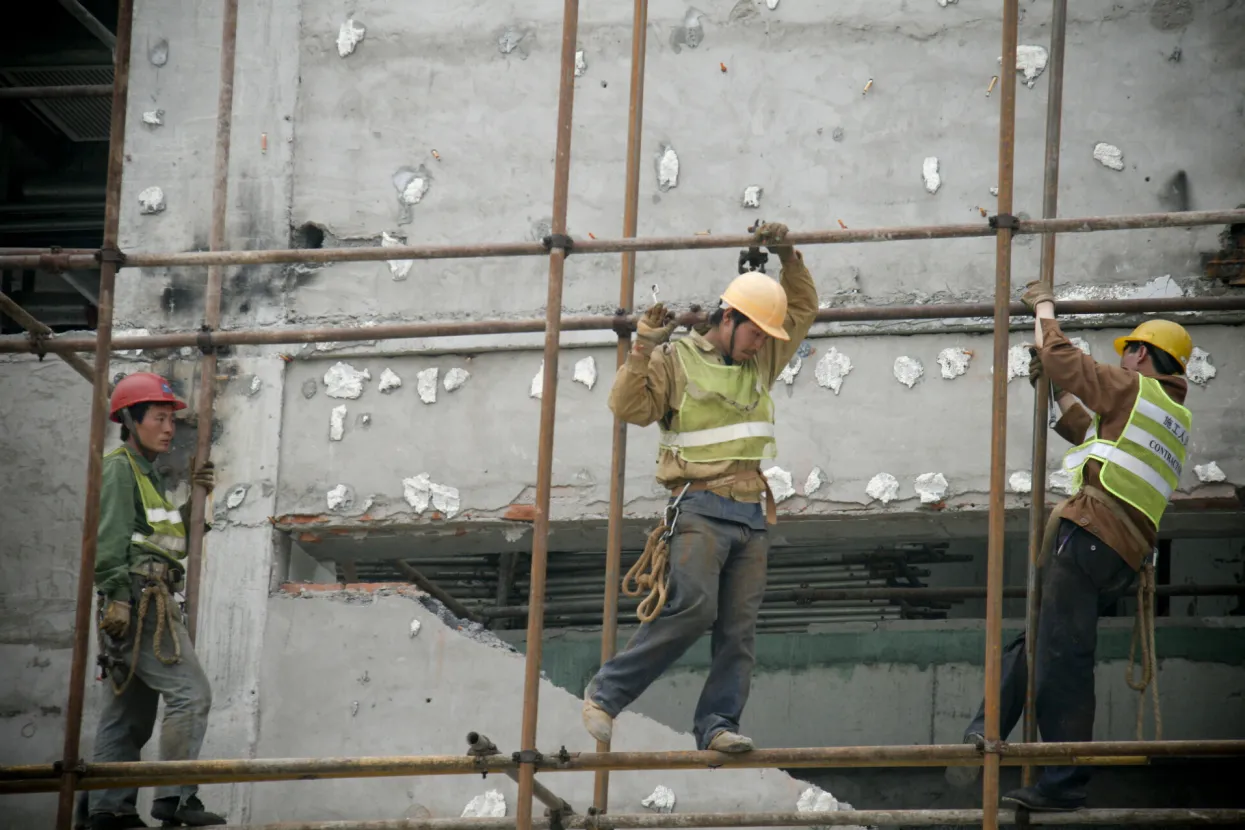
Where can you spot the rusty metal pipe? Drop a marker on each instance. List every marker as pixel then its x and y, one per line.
pixel 207 364
pixel 1041 396
pixel 558 251
pixel 479 746
pixel 998 425
pixel 27 93
pixel 1086 224
pixel 27 321
pixel 390 331
pixel 436 592
pixel 99 415
pixel 626 300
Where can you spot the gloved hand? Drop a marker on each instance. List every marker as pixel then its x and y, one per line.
pixel 204 476
pixel 771 235
pixel 116 621
pixel 654 328
pixel 1036 293
pixel 1038 373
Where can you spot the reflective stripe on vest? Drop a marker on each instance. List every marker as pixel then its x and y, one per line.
pixel 726 413
pixel 168 532
pixel 1143 467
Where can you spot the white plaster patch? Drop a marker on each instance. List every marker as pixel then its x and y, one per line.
pixel 515 532
pixel 662 800
pixel 418 492
pixel 954 362
pixel 414 191
pixel 908 370
pixel 1020 481
pixel 445 499
pixel 884 487
pixel 1060 481
pixel 1017 362
pixel 389 380
pixel 994 191
pixel 538 383
pixel 1108 155
pixel 945 3
pixel 399 268
pixel 931 487
pixel 1159 287
pixel 344 381
pixel 455 378
pixel 236 496
pixel 771 4
pixel 929 173
pixel 349 37
pixel 1031 60
pixel 1081 343
pixel 337 423
pixel 832 368
pixel 153 118
pixel 793 367
pixel 426 385
pixel 581 64
pixel 415 626
pixel 816 479
pixel 586 372
pixel 256 384
pixel 780 484
pixel 151 200
pixel 1199 369
pixel 1209 473
pixel 490 805
pixel 752 196
pixel 667 168
pixel 339 496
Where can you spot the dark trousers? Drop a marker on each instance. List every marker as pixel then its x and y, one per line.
pixel 1083 578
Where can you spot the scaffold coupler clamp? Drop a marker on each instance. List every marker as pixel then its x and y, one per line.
pixel 38 342
pixel 622 323
pixel 1004 221
pixel 204 340
pixel 55 260
pixel 528 756
pixel 558 240
pixel 114 255
pixel 753 258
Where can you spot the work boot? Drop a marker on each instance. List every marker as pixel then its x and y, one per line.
pixel 1032 798
pixel 731 742
pixel 966 776
pixel 597 721
pixel 175 813
pixel 111 821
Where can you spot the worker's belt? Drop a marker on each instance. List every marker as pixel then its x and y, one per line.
pixel 161 571
pixel 1048 541
pixel 771 508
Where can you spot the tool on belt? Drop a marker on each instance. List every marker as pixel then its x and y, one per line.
pixel 156 580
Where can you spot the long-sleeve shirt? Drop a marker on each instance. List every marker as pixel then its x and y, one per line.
pixel 1110 391
pixel 649 390
pixel 121 514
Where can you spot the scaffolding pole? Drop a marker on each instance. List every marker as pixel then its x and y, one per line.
pixel 1041 391
pixel 28 93
pixel 99 414
pixel 626 300
pixel 39 333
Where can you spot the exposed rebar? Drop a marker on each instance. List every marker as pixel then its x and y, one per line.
pixel 28 93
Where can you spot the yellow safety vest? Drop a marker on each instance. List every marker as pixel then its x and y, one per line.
pixel 726 413
pixel 168 532
pixel 1142 468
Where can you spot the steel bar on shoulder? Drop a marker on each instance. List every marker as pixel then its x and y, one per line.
pixel 39 331
pixel 390 331
pixel 27 93
pixel 207 364
pixel 1041 391
pixel 559 246
pixel 99 416
pixel 436 591
pixel 1085 224
pixel 626 301
pixel 998 422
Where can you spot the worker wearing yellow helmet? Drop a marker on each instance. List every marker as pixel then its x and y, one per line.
pixel 1130 435
pixel 709 391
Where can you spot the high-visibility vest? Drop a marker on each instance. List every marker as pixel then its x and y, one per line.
pixel 1142 468
pixel 168 532
pixel 726 413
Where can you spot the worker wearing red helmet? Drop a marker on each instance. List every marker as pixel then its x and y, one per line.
pixel 144 646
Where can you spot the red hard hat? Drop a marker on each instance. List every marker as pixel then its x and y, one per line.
pixel 141 387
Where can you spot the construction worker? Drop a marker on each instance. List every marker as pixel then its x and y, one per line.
pixel 144 646
pixel 710 393
pixel 1126 462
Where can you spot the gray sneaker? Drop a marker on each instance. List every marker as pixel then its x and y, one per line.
pixel 966 776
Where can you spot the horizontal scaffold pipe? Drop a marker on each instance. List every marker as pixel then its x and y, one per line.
pixel 1142 221
pixel 392 331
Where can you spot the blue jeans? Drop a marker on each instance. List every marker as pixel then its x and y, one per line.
pixel 1083 578
pixel 717 581
pixel 127 721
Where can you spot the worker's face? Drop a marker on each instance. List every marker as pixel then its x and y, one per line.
pixel 155 431
pixel 1134 356
pixel 748 340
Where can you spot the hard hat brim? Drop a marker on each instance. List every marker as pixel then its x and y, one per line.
pixel 772 331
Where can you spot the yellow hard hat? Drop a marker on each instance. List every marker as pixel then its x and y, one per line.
pixel 1162 334
pixel 761 300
